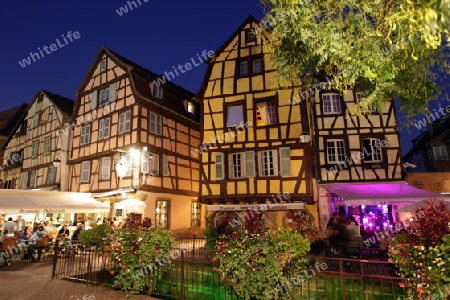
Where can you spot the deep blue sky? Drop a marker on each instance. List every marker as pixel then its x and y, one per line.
pixel 156 34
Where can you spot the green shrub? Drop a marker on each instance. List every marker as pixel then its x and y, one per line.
pixel 95 236
pixel 211 237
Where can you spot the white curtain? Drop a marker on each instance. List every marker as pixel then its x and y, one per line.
pixel 235 115
pixel 262 107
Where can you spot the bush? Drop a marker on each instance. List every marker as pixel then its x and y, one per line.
pixel 95 236
pixel 252 265
pixel 211 237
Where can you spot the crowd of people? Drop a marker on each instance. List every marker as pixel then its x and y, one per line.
pixel 347 238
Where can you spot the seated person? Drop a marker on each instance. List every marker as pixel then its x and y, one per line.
pixel 38 234
pixel 64 231
pixel 77 231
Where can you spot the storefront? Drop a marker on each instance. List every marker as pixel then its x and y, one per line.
pixel 376 206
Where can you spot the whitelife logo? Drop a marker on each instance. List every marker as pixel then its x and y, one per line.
pixel 53 47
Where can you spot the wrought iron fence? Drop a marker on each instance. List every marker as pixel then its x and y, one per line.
pixel 191 276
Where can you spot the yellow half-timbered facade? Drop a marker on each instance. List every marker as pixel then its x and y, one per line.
pixel 255 145
pixel 44 165
pixel 131 142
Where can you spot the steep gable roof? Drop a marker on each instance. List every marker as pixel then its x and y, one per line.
pixel 9 118
pixel 141 79
pixel 250 19
pixel 63 103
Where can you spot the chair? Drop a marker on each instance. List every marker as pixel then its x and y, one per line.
pixel 8 245
pixel 42 247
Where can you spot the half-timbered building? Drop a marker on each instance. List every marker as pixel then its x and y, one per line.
pixel 44 165
pixel 132 135
pixel 358 159
pixel 255 151
pixel 15 130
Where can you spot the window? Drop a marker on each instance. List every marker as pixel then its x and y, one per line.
pixel 243 68
pixel 191 107
pixel 104 97
pixel 124 121
pixel 105 168
pixel 257 66
pixel 235 115
pixel 103 65
pixel 157 91
pixel 29 179
pixel 266 113
pixel 166 170
pixel 331 103
pixel 195 214
pixel 268 163
pixel 36 120
pixel 335 151
pixel 162 214
pixel 250 66
pixel 250 35
pixel 85 171
pixel 150 163
pixel 103 130
pixel 43 115
pixel 372 150
pixel 369 109
pixel 155 123
pixel 85 134
pixel 241 165
pixel 51 175
pixel 440 152
pixel 35 149
pixel 47 142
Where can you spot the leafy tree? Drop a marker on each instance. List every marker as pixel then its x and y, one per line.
pixel 387 49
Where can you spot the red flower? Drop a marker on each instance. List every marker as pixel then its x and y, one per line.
pixel 214 259
pixel 214 268
pixel 401 284
pixel 105 255
pixel 111 272
pixel 124 266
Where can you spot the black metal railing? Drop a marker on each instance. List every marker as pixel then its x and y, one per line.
pixel 191 275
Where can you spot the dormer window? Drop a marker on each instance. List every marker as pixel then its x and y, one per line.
pixel 250 35
pixel 103 65
pixel 157 91
pixel 191 107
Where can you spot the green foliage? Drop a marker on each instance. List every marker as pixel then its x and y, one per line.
pixel 386 49
pixel 423 257
pixel 211 237
pixel 137 258
pixel 96 235
pixel 252 265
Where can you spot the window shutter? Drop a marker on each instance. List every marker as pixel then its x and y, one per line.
pixel 94 100
pixel 112 92
pixel 250 164
pixel 121 123
pixel 47 113
pixel 219 166
pixel 158 124
pixel 230 166
pixel 165 165
pixel 100 129
pixel 285 161
pixel 36 120
pixel 145 162
pixel 155 164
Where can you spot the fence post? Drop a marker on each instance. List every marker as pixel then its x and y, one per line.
pixel 183 290
pixel 55 258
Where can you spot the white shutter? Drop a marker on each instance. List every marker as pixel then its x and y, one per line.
pixel 106 126
pixel 112 92
pixel 219 166
pixel 121 123
pixel 145 166
pixel 94 100
pixel 158 124
pixel 100 129
pixel 47 113
pixel 165 165
pixel 36 120
pixel 249 164
pixel 285 161
pixel 105 168
pixel 153 122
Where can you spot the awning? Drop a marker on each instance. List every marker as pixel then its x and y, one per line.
pixel 379 193
pixel 412 207
pixel 131 204
pixel 29 201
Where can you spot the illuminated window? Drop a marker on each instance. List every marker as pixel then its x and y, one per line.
pixel 195 214
pixel 266 113
pixel 191 107
pixel 235 115
pixel 162 214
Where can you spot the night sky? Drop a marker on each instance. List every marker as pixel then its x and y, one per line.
pixel 155 34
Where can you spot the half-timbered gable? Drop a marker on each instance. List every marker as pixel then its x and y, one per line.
pixel 132 136
pixel 8 121
pixel 44 163
pixel 355 148
pixel 252 137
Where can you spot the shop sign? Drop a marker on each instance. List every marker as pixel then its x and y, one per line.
pixel 263 207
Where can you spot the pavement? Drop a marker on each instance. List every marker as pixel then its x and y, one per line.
pixel 26 281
